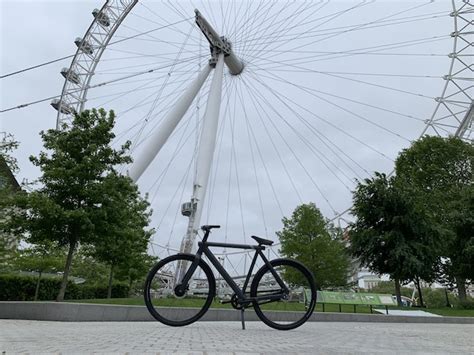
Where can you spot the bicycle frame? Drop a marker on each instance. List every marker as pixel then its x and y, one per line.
pixel 240 292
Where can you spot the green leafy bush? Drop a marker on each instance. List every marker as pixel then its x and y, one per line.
pixel 467 304
pixel 436 298
pixel 22 288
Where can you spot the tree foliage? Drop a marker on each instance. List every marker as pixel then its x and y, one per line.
pixel 309 238
pixel 8 188
pixel 392 234
pixel 66 209
pixel 438 172
pixel 39 259
pixel 124 216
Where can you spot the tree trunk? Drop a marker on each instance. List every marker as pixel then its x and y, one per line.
pixel 398 292
pixel 67 268
pixel 130 283
pixel 37 286
pixel 111 277
pixel 461 285
pixel 420 295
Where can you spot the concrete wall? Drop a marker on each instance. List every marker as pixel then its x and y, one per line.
pixel 81 312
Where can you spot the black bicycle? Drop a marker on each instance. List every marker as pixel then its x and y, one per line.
pixel 180 288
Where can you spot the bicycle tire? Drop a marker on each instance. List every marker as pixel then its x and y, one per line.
pixel 162 314
pixel 287 322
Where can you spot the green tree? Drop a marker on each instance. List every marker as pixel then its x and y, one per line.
pixel 438 172
pixel 309 238
pixel 392 235
pixel 8 188
pixel 66 208
pixel 124 216
pixel 86 267
pixel 135 271
pixel 39 259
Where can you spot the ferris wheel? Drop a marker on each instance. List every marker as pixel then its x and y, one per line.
pixel 238 111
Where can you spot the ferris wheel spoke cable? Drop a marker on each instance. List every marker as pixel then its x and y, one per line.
pixel 275 148
pixel 262 46
pixel 163 110
pixel 235 17
pixel 219 146
pixel 160 91
pixel 94 86
pixel 304 88
pixel 359 73
pixel 139 88
pixel 116 71
pixel 72 55
pixel 184 183
pixel 150 10
pixel 158 181
pixel 276 31
pixel 181 145
pixel 345 29
pixel 257 184
pixel 330 18
pixel 143 102
pixel 309 126
pixel 353 29
pixel 372 49
pixel 234 160
pixel 327 142
pixel 358 81
pixel 316 152
pixel 284 99
pixel 249 28
pixel 249 127
pixel 357 51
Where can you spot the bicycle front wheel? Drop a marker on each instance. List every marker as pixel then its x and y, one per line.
pixel 294 307
pixel 175 304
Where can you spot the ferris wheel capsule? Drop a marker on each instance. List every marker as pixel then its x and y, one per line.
pixel 62 107
pixel 101 17
pixel 83 45
pixel 70 75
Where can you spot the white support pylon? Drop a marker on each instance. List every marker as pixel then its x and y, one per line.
pixel 207 145
pixel 162 133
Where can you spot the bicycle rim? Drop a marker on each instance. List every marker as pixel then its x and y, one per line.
pixel 299 303
pixel 162 300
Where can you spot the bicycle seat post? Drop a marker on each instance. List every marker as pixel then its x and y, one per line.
pixel 207 230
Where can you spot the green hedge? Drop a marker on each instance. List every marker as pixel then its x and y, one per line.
pixel 22 288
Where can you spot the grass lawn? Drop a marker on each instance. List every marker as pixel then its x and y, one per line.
pixel 452 312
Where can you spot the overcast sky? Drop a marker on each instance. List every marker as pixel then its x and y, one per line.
pixel 330 93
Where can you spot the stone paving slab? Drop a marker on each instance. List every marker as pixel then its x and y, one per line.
pixel 34 337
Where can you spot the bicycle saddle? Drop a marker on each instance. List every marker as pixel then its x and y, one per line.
pixel 262 241
pixel 209 227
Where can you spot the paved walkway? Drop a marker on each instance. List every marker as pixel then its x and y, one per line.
pixel 20 336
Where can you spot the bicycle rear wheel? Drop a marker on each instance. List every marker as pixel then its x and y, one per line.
pixel 295 307
pixel 164 300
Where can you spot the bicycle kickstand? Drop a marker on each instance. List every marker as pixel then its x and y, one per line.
pixel 242 318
